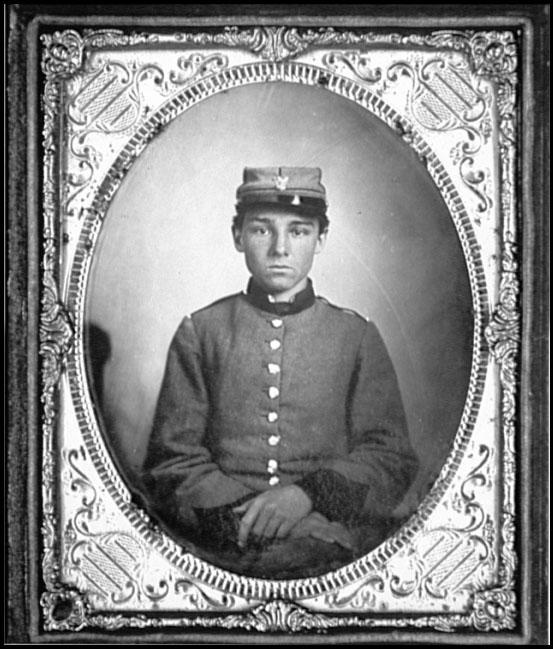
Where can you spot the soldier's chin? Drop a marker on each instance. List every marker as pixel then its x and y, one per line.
pixel 279 286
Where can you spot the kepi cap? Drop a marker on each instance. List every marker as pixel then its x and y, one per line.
pixel 298 187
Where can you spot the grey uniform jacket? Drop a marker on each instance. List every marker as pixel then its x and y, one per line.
pixel 253 398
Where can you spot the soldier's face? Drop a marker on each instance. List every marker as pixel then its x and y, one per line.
pixel 279 247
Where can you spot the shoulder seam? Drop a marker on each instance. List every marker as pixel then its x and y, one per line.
pixel 342 309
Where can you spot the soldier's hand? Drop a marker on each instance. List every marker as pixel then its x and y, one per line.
pixel 317 526
pixel 273 513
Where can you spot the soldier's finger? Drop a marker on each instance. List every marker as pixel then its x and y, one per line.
pixel 247 522
pixel 272 527
pixel 282 531
pixel 263 518
pixel 319 517
pixel 287 526
pixel 342 539
pixel 322 535
pixel 330 535
pixel 345 543
pixel 342 536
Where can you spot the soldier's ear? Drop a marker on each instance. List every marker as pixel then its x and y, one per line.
pixel 321 241
pixel 237 238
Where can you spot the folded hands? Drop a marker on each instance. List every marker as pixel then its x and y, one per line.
pixel 287 512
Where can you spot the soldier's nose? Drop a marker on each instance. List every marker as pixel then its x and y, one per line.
pixel 280 245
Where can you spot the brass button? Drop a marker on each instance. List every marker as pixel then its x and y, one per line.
pixel 276 323
pixel 275 344
pixel 274 480
pixel 273 368
pixel 272 416
pixel 274 440
pixel 273 392
pixel 272 466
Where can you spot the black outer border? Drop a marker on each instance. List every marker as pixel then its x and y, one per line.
pixel 22 536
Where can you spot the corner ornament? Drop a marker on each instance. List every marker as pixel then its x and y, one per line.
pixel 494 53
pixel 62 54
pixel 494 610
pixel 64 610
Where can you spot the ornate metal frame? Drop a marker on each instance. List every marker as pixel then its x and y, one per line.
pixel 454 97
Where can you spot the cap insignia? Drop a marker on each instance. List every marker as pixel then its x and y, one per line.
pixel 281 182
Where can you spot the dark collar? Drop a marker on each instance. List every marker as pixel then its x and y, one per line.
pixel 302 300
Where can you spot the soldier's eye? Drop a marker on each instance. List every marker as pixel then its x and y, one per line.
pixel 300 232
pixel 259 229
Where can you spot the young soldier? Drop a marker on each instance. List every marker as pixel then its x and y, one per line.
pixel 279 444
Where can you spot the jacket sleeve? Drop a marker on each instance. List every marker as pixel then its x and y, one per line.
pixel 380 465
pixel 179 471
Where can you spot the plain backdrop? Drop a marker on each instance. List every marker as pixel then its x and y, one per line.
pixel 393 255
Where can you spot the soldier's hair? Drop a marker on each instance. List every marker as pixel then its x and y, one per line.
pixel 238 219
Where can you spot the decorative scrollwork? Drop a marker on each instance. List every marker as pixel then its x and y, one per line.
pixel 503 332
pixel 279 616
pixel 55 327
pixel 443 98
pixel 272 43
pixel 471 506
pixel 110 565
pixel 492 50
pixel 78 481
pixel 68 612
pixel 197 64
pixel 361 598
pixel 508 554
pixel 503 336
pixel 200 598
pixel 493 612
pixel 56 331
pixel 106 99
pixel 109 99
pixel 495 55
pixel 445 561
pixel 64 51
pixel 355 61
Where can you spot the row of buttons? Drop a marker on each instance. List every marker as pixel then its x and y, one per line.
pixel 272 416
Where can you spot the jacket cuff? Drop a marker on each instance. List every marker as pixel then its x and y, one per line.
pixel 219 525
pixel 334 496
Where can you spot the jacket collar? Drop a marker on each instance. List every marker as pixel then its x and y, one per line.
pixel 259 298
